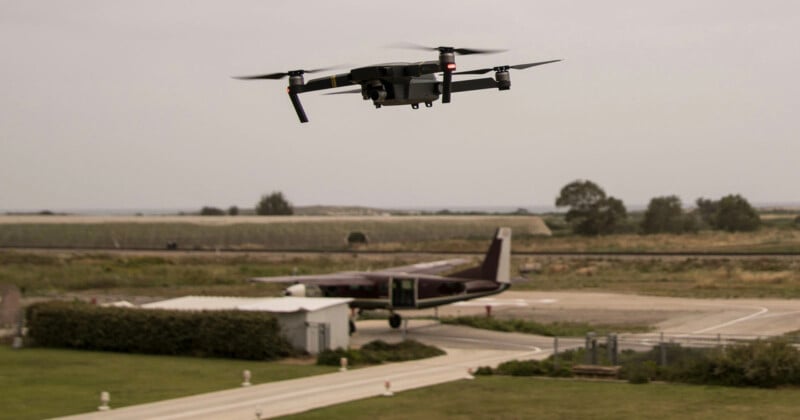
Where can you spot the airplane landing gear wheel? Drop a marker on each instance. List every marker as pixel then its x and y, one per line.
pixel 395 320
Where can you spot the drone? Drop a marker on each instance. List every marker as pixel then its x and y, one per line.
pixel 393 84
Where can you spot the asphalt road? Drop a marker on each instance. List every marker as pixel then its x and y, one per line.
pixel 297 395
pixel 469 348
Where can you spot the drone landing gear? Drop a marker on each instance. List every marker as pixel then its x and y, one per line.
pixel 395 320
pixel 428 104
pixel 414 106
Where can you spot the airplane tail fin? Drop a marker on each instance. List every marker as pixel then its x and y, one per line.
pixel 497 262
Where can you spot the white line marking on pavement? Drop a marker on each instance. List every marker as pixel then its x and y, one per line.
pixel 760 312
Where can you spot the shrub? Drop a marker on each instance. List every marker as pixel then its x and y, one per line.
pixel 378 351
pixel 640 372
pixel 759 363
pixel 519 368
pixel 591 212
pixel 333 357
pixel 233 334
pixel 664 214
pixel 274 204
pixel 532 368
pixel 357 238
pixel 732 213
pixel 736 214
pixel 211 211
pixel 484 370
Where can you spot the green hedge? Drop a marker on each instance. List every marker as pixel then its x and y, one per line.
pixel 232 334
pixel 528 368
pixel 378 351
pixel 760 363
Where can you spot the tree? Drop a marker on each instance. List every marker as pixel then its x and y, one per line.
pixel 735 213
pixel 732 213
pixel 591 212
pixel 707 209
pixel 274 204
pixel 233 211
pixel 664 214
pixel 211 211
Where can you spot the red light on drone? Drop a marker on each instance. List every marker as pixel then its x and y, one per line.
pixel 451 66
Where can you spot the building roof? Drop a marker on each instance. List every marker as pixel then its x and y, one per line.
pixel 218 303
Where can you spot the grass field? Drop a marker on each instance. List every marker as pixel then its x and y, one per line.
pixel 684 277
pixel 42 383
pixel 554 329
pixel 56 274
pixel 766 240
pixel 396 233
pixel 540 398
pixel 166 275
pixel 265 233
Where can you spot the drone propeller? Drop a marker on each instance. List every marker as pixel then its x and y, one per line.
pixel 447 62
pixel 276 76
pixel 296 84
pixel 506 68
pixel 460 51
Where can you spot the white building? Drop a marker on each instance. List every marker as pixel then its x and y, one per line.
pixel 310 324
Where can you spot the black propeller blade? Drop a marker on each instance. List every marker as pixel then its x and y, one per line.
pixel 461 51
pixel 276 76
pixel 506 68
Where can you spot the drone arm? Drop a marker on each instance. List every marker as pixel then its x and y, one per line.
pixel 296 87
pixel 474 84
pixel 331 82
pixel 298 107
pixel 447 85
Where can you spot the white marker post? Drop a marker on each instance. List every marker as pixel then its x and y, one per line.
pixel 246 376
pixel 105 397
pixel 469 374
pixel 343 364
pixel 387 389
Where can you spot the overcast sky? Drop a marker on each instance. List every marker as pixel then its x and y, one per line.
pixel 130 104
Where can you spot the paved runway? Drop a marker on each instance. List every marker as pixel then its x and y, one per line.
pixel 297 395
pixel 757 317
pixel 470 348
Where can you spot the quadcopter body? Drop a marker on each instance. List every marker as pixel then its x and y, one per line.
pixel 393 84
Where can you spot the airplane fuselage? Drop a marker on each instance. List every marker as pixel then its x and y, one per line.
pixel 408 291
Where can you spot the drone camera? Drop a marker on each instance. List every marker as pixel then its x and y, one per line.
pixel 377 94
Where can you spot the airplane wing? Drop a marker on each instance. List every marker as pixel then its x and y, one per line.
pixel 362 278
pixel 434 267
pixel 336 279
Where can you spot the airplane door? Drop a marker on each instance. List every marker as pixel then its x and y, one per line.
pixel 404 293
